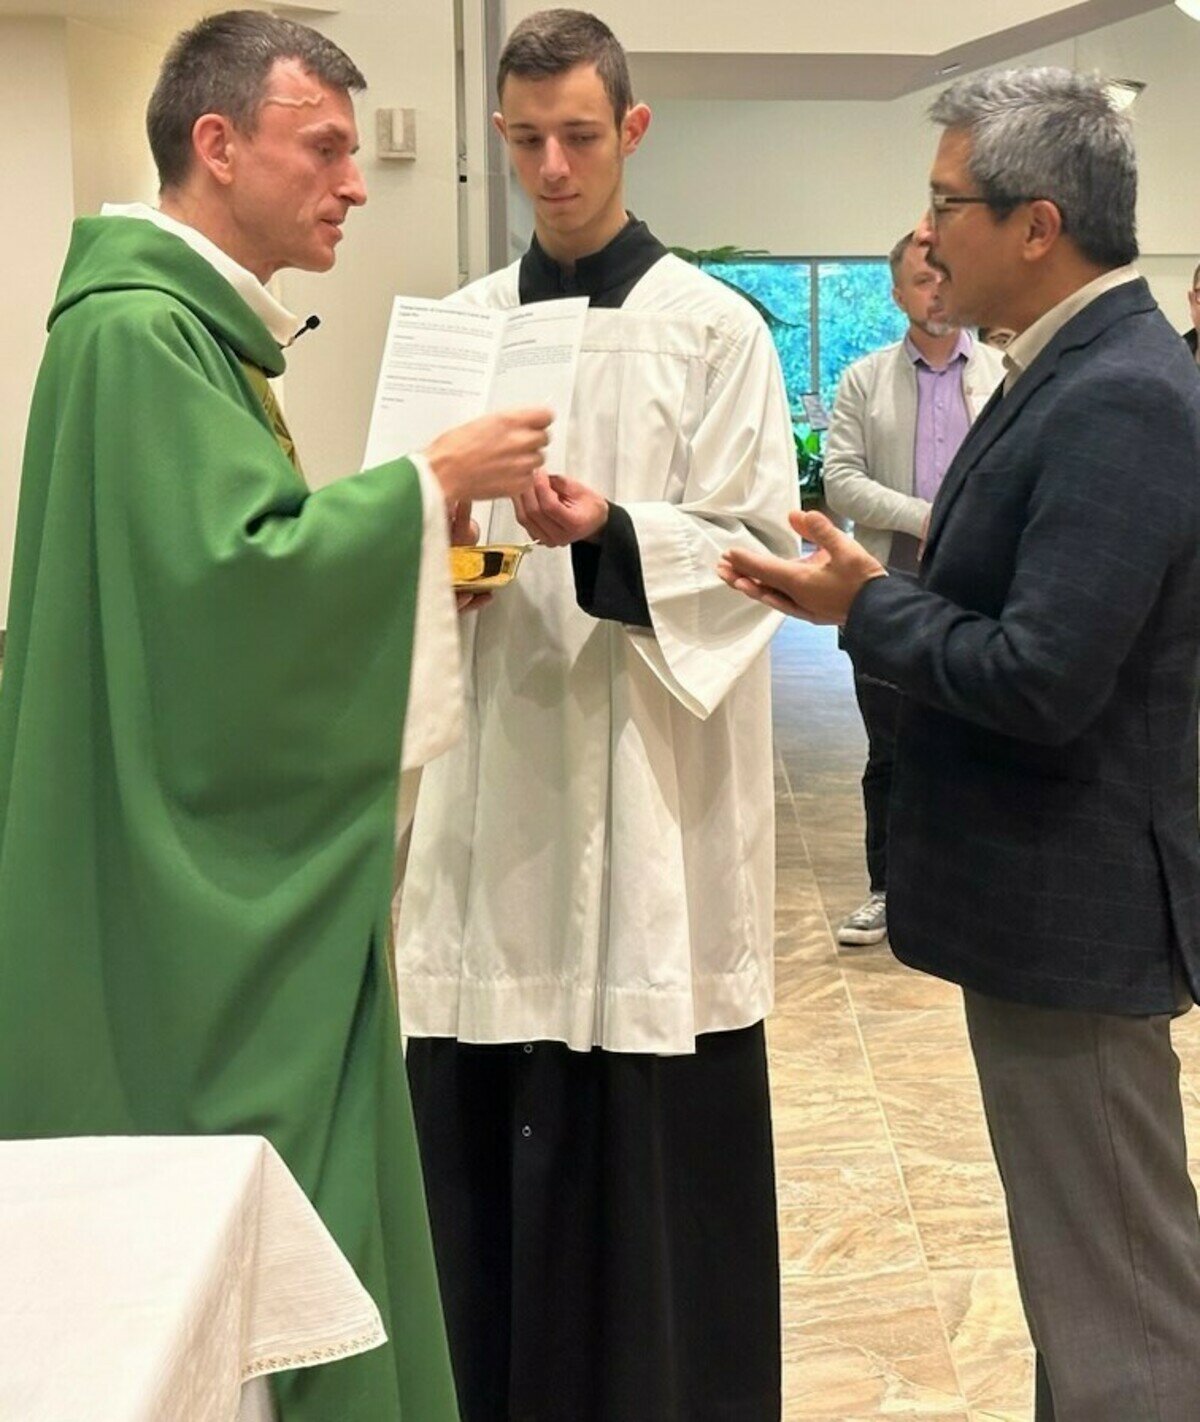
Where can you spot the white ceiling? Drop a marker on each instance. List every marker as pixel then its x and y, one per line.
pixel 926 27
pixel 812 49
pixel 158 20
pixel 754 49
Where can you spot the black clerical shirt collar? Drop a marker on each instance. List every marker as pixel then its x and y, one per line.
pixel 605 277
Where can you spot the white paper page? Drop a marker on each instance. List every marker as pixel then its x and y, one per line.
pixel 437 366
pixel 539 356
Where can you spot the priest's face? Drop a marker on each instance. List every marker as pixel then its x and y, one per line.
pixel 290 183
pixel 568 153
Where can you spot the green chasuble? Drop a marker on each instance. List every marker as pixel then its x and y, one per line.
pixel 200 729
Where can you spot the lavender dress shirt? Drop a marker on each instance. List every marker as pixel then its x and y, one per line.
pixel 942 415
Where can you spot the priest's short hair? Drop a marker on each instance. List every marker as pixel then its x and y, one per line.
pixel 220 66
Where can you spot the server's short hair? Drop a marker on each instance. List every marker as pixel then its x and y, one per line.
pixel 220 66
pixel 551 42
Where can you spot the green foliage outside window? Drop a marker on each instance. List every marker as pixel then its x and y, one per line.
pixel 856 315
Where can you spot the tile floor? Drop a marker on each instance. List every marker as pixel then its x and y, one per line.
pixel 898 1293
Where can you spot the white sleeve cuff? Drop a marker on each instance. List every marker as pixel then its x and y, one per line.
pixel 435 691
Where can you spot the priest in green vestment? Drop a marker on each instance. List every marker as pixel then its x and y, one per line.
pixel 204 698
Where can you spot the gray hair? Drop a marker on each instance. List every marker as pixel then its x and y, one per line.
pixel 220 66
pixel 1053 134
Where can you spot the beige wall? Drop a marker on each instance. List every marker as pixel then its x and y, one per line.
pixel 110 77
pixel 35 121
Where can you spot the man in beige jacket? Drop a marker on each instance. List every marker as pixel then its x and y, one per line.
pixel 900 415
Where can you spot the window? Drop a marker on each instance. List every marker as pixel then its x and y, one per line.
pixel 823 313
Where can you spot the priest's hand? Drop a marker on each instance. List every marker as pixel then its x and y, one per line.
pixel 556 511
pixel 494 457
pixel 819 588
pixel 464 532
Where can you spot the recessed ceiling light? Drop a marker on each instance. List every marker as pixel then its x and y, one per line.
pixel 1189 7
pixel 1122 92
pixel 957 65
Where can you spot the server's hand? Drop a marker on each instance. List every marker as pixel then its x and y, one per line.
pixel 556 511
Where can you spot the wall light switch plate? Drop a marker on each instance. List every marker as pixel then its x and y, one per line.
pixel 396 133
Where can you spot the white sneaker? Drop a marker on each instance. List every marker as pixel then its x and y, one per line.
pixel 867 924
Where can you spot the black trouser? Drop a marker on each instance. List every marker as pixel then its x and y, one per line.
pixel 879 703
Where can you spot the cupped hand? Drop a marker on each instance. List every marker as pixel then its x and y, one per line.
pixel 555 510
pixel 819 588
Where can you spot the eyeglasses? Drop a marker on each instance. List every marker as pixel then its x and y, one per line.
pixel 941 203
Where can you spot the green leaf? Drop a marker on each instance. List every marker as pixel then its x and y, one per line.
pixel 810 464
pixel 700 256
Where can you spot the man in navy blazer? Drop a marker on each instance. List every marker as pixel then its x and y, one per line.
pixel 1045 852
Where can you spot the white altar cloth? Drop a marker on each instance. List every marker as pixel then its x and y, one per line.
pixel 145 1279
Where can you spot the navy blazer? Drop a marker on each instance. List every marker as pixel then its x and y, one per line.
pixel 1043 842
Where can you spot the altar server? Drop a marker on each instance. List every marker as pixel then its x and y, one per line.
pixel 585 933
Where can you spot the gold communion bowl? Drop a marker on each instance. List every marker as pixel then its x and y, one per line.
pixel 485 566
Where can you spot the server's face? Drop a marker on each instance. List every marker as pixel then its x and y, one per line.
pixel 293 180
pixel 568 153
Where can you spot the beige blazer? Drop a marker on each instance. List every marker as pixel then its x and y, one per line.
pixel 872 437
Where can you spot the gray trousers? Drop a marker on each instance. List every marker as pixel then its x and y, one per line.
pixel 1086 1123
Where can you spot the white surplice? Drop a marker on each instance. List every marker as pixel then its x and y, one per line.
pixel 594 862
